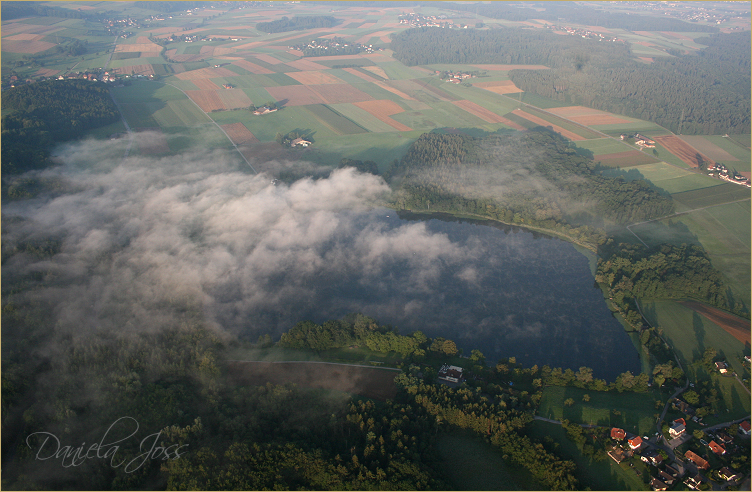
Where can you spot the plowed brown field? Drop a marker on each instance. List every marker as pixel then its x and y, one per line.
pixel 206 100
pixel 382 109
pixel 131 48
pixel 370 382
pixel 314 77
pixel 205 85
pixel 239 134
pixel 234 98
pixel 206 73
pixel 682 150
pixel 500 87
pixel 598 119
pixel 144 69
pixel 737 327
pixel 252 67
pixel 295 95
pixel 26 46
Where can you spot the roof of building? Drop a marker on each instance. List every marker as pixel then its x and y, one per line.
pixel 617 433
pixel 716 448
pixel 635 442
pixel 697 460
pixel 744 426
pixel 657 484
pixel 680 421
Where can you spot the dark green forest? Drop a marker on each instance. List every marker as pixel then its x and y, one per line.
pixel 533 178
pixel 706 93
pixel 297 23
pixel 703 93
pixel 563 12
pixel 669 272
pixel 48 112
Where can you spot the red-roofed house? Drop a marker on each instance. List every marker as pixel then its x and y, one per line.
pixel 717 448
pixel 744 427
pixel 635 442
pixel 694 458
pixel 618 434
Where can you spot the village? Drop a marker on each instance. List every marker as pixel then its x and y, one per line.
pixel 419 20
pixel 584 33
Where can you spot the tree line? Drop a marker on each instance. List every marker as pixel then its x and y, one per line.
pixel 47 112
pixel 297 23
pixel 563 12
pixel 534 178
pixel 632 272
pixel 423 46
pixel 703 93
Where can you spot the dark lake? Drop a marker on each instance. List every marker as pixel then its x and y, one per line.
pixel 500 289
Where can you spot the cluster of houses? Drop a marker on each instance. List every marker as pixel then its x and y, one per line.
pixel 722 172
pixel 688 470
pixel 640 140
pixel 454 77
pixel 420 20
pixel 336 44
pixel 584 33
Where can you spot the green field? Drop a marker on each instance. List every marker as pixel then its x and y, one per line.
pixel 362 117
pixel 443 114
pixel 473 464
pixel 602 146
pixel 596 475
pixel 675 180
pixel 637 410
pixel 704 197
pixel 381 148
pixel 646 127
pixel 265 128
pixel 731 146
pixel 333 120
pixel 689 335
pixel 564 123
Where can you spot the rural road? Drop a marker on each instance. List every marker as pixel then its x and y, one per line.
pixel 677 214
pixel 215 123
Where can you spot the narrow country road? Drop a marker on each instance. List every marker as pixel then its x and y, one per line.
pixel 215 123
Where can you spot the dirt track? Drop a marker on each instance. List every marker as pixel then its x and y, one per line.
pixel 371 382
pixel 737 327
